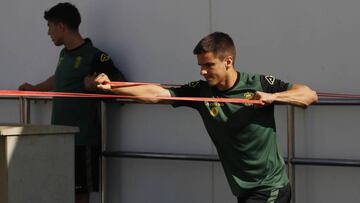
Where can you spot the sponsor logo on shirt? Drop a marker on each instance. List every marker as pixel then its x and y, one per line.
pixel 214 111
pixel 214 108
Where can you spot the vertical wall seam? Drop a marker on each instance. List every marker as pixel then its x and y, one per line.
pixel 211 28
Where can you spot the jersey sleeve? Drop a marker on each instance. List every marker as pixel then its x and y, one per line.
pixel 270 84
pixel 103 63
pixel 191 89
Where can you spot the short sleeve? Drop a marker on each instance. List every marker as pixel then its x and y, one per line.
pixel 271 84
pixel 191 89
pixel 103 64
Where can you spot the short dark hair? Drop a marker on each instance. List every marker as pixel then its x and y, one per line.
pixel 65 13
pixel 219 43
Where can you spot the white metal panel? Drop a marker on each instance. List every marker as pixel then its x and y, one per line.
pixel 142 180
pixel 156 128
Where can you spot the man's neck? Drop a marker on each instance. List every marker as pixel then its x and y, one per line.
pixel 230 80
pixel 73 41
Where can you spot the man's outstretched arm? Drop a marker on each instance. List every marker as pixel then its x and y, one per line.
pixel 46 85
pixel 146 93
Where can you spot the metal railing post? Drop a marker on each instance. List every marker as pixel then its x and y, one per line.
pixel 21 110
pixel 27 111
pixel 291 148
pixel 24 110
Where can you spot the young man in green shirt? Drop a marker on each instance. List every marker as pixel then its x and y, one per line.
pixel 244 135
pixel 78 64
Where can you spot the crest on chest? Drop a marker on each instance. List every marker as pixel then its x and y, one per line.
pixel 214 108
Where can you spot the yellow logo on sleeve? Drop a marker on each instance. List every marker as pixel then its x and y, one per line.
pixel 193 84
pixel 270 79
pixel 104 57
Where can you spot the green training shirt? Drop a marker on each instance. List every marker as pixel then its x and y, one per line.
pixel 244 135
pixel 73 66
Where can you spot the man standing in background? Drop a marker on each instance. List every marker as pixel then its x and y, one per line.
pixel 78 65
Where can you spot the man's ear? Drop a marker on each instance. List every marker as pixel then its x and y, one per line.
pixel 61 26
pixel 228 61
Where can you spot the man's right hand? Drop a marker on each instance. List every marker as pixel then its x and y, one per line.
pixel 101 81
pixel 27 87
pixel 46 85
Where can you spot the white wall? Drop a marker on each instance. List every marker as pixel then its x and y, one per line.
pixel 310 41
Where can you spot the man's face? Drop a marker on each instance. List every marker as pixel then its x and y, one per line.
pixel 212 68
pixel 56 31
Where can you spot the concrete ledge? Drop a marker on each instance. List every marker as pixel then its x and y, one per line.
pixel 37 163
pixel 11 129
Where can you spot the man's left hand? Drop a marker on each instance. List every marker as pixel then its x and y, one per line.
pixel 267 98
